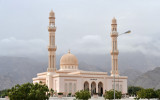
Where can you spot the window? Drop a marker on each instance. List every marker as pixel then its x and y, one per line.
pixel 112 86
pixel 117 87
pixel 74 87
pixel 70 87
pixel 121 88
pixel 55 85
pixel 65 87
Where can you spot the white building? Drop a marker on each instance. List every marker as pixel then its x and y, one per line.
pixel 69 79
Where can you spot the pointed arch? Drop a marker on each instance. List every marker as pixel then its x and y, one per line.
pixel 86 85
pixel 100 88
pixel 93 88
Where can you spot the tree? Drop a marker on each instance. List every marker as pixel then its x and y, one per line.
pixel 132 90
pixel 147 93
pixel 141 93
pixel 110 94
pixel 83 95
pixel 158 93
pixel 29 91
pixel 3 93
pixel 51 92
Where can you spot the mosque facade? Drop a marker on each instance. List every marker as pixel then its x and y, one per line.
pixel 70 79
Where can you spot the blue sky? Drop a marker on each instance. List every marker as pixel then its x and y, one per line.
pixel 82 26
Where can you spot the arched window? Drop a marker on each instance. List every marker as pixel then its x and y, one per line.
pixel 65 87
pixel 117 87
pixel 70 87
pixel 112 86
pixel 74 87
pixel 121 88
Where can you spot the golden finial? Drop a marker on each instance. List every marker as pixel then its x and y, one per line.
pixel 69 51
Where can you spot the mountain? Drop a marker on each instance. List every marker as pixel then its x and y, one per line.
pixel 18 70
pixel 149 79
pixel 132 75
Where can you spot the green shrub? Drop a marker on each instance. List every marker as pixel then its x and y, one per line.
pixel 83 95
pixel 51 92
pixel 110 94
pixel 132 90
pixel 60 93
pixel 3 93
pixel 158 93
pixel 147 93
pixel 29 91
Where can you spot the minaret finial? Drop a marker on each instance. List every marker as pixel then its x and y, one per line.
pixel 69 51
pixel 114 20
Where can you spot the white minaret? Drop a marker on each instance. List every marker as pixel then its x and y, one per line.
pixel 52 46
pixel 114 51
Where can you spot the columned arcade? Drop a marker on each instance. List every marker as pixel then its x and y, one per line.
pixel 94 88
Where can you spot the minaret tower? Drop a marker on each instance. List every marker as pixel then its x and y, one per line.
pixel 52 46
pixel 114 51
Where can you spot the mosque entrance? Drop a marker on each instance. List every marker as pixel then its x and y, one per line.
pixel 93 88
pixel 100 88
pixel 86 86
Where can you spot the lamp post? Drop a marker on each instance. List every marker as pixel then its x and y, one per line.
pixel 127 32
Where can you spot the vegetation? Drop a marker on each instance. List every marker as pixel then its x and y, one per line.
pixel 60 93
pixel 158 93
pixel 132 90
pixel 51 92
pixel 147 93
pixel 69 94
pixel 29 91
pixel 83 95
pixel 3 93
pixel 110 94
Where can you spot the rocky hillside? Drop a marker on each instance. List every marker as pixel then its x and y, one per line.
pixel 150 79
pixel 18 70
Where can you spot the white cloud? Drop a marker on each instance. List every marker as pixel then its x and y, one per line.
pixel 91 44
pixel 17 47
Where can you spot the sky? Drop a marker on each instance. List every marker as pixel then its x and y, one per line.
pixel 83 26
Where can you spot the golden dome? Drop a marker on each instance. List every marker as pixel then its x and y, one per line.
pixel 68 59
pixel 114 21
pixel 51 14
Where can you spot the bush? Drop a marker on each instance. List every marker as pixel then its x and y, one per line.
pixel 51 92
pixel 69 94
pixel 29 91
pixel 110 94
pixel 83 95
pixel 132 90
pixel 147 93
pixel 158 93
pixel 60 93
pixel 3 93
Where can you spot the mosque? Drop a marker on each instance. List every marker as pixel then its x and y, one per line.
pixel 69 79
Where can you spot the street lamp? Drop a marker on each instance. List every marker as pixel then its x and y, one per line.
pixel 127 32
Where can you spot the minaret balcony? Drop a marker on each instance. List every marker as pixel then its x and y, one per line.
pixel 114 34
pixel 52 48
pixel 115 52
pixel 51 28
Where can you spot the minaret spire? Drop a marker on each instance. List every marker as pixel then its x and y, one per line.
pixel 114 51
pixel 52 46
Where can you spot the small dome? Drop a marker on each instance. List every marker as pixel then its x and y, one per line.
pixel 51 14
pixel 68 61
pixel 114 21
